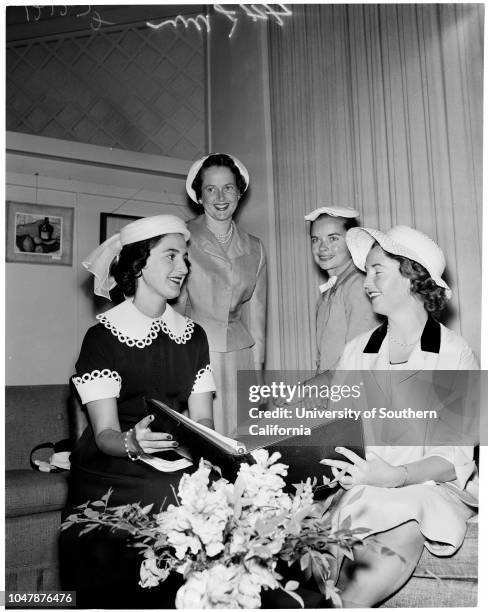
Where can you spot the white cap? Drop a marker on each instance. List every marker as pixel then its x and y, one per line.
pixel 399 240
pixel 334 211
pixel 99 260
pixel 199 163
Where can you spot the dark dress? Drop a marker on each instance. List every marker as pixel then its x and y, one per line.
pixel 132 356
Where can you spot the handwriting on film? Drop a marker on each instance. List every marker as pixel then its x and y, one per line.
pixel 255 12
pixel 35 12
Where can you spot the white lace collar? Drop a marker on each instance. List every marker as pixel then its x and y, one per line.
pixel 134 328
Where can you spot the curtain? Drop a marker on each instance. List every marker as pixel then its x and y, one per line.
pixel 378 107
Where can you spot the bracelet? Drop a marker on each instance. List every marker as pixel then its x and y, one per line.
pixel 133 456
pixel 405 477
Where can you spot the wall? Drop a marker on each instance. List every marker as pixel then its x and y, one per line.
pixel 127 86
pixel 239 123
pixel 49 307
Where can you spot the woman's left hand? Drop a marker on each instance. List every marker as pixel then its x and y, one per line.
pixel 373 470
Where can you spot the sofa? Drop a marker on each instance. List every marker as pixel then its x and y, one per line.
pixel 33 500
pixel 33 503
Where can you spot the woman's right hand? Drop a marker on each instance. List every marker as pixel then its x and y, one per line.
pixel 149 441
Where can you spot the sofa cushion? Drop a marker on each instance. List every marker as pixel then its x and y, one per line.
pixel 463 564
pixel 33 415
pixel 30 492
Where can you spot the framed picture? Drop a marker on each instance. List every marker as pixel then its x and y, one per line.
pixel 110 224
pixel 39 234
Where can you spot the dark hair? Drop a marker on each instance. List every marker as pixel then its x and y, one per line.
pixel 347 222
pixel 421 284
pixel 132 259
pixel 218 159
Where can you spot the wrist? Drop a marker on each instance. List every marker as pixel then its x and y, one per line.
pixel 132 448
pixel 402 476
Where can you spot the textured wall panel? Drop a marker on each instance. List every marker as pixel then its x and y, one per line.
pixel 132 88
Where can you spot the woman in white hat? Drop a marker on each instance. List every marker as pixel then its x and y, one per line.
pixel 411 496
pixel 343 309
pixel 226 289
pixel 140 348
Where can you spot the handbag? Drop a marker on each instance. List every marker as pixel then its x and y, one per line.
pixel 59 459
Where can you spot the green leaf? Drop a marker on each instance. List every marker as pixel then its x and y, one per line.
pixel 91 513
pixel 87 529
pixel 295 596
pixel 98 503
pixel 147 509
pixel 292 585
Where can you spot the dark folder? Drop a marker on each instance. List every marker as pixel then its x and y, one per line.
pixel 301 453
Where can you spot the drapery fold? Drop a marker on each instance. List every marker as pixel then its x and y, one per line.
pixel 378 107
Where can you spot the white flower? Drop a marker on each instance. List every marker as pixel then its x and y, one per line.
pixel 151 574
pixel 192 595
pixel 211 589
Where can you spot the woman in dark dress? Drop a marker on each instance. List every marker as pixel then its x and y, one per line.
pixel 140 348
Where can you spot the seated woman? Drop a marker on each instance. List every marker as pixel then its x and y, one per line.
pixel 343 309
pixel 140 348
pixel 404 500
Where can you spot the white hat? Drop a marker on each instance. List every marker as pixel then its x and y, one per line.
pixel 399 240
pixel 199 163
pixel 334 211
pixel 99 260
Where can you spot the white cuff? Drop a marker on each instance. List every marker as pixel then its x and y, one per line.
pixel 98 385
pixel 204 380
pixel 461 458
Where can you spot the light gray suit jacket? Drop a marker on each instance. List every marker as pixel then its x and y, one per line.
pixel 225 291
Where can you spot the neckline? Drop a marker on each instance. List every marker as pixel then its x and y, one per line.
pixel 134 328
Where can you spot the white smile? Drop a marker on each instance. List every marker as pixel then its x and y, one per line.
pixel 325 257
pixel 222 207
pixel 178 280
pixel 373 294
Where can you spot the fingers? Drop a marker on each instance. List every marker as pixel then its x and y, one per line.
pixel 351 455
pixel 157 446
pixel 145 422
pixel 156 435
pixel 336 463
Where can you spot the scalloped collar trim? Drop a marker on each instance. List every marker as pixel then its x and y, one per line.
pixel 131 326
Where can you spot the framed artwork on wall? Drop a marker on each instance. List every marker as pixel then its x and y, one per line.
pixel 39 234
pixel 111 223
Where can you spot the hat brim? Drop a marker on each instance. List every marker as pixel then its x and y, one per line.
pixel 360 240
pixel 344 212
pixel 195 168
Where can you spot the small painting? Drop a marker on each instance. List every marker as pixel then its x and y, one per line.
pixel 39 234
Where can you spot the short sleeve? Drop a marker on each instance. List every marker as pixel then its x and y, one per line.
pixel 461 458
pixel 203 381
pixel 96 377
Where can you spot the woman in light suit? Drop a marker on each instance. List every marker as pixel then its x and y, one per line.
pixel 415 492
pixel 226 288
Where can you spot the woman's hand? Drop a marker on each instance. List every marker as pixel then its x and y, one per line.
pixel 147 441
pixel 371 471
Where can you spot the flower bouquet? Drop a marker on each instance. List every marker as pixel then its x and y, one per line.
pixel 229 541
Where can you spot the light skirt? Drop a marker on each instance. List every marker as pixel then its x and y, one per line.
pixel 225 367
pixel 440 514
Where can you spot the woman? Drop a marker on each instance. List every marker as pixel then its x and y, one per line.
pixel 140 348
pixel 404 500
pixel 226 289
pixel 343 309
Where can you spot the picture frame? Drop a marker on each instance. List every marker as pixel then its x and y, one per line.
pixel 111 223
pixel 39 234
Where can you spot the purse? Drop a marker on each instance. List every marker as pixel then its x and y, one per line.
pixel 59 459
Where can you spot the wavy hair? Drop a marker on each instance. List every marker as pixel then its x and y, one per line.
pixel 422 285
pixel 218 159
pixel 130 263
